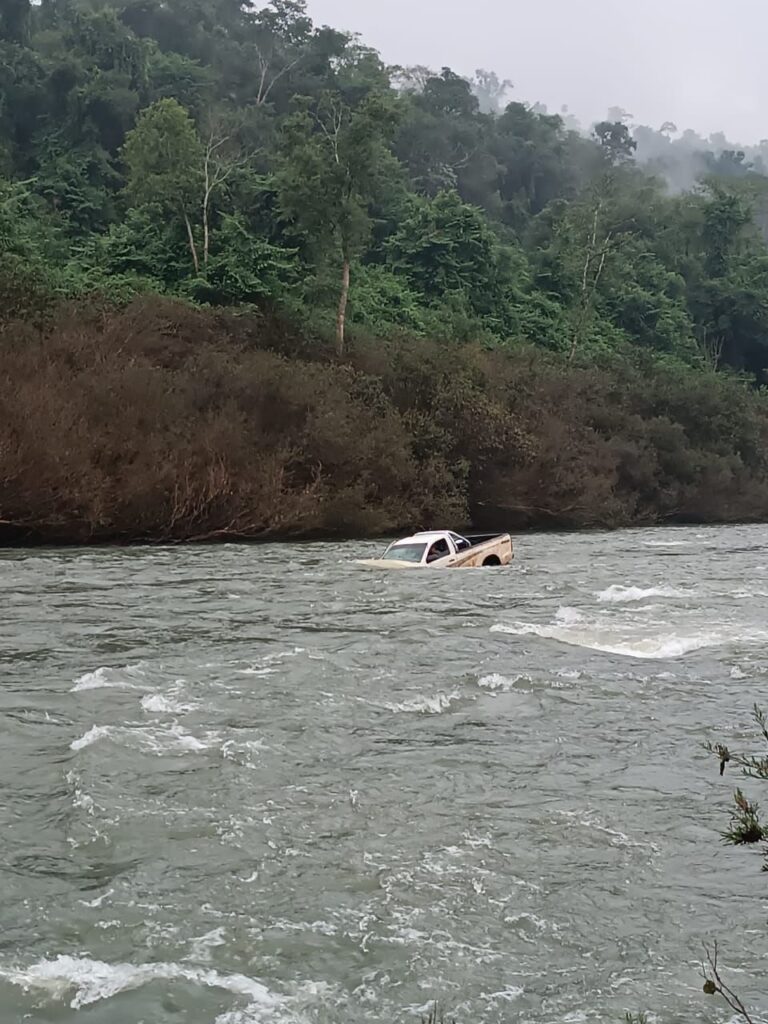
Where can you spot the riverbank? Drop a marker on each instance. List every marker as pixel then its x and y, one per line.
pixel 163 423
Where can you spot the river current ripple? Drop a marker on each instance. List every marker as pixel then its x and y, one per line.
pixel 264 785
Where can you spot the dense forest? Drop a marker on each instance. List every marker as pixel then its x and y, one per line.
pixel 255 282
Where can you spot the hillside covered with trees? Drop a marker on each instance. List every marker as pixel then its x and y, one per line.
pixel 256 282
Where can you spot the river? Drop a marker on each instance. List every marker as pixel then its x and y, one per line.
pixel 250 784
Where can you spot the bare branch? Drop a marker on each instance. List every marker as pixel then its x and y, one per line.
pixel 714 984
pixel 590 277
pixel 217 169
pixel 265 87
pixel 278 76
pixel 333 132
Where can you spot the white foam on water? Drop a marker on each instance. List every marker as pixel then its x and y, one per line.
pixel 97 902
pixel 405 937
pixel 425 705
pixel 80 799
pixel 303 996
pixel 167 703
pixel 267 665
pixel 84 801
pixel 94 734
pixel 110 678
pixel 292 652
pixel 568 616
pixel 525 918
pixel 476 842
pixel 602 638
pixel 160 703
pixel 590 821
pixel 496 681
pixel 319 927
pixel 244 752
pixel 172 739
pixel 508 994
pixel 667 543
pixel 84 981
pixel 201 945
pixel 618 594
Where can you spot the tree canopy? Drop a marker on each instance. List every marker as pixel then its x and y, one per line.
pixel 233 153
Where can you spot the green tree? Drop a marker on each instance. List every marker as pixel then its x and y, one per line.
pixel 535 160
pixel 328 178
pixel 242 268
pixel 441 139
pixel 580 242
pixel 164 157
pixel 281 36
pixel 444 248
pixel 32 251
pixel 616 141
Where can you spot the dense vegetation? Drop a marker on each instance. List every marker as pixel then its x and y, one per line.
pixel 254 281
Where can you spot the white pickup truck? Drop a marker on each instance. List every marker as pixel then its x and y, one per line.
pixel 444 549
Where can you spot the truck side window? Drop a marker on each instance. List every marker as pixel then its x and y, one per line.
pixel 438 550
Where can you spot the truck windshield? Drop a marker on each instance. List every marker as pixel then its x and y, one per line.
pixel 405 552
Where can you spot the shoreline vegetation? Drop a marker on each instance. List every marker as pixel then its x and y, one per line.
pixel 160 422
pixel 256 284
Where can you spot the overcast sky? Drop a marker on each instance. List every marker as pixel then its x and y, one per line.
pixel 700 63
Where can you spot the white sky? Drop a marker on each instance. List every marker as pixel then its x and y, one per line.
pixel 700 63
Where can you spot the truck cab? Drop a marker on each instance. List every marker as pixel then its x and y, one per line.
pixel 427 548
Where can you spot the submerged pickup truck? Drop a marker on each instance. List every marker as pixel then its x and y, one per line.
pixel 444 549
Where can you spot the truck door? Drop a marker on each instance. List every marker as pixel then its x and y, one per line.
pixel 440 549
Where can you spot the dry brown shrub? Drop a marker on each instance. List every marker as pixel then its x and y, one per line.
pixel 162 422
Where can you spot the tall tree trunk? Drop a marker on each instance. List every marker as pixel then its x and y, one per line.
pixel 589 284
pixel 341 319
pixel 192 246
pixel 206 227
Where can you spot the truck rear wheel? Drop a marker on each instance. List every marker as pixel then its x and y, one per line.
pixel 492 560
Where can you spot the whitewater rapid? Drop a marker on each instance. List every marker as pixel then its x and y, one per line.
pixel 258 784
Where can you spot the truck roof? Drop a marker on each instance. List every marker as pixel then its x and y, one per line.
pixel 428 536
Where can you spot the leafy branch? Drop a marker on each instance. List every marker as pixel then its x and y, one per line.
pixel 745 827
pixel 754 767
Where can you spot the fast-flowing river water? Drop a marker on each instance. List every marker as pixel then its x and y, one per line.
pixel 252 784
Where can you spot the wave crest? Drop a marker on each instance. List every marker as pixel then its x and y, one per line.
pixel 659 647
pixel 110 678
pixel 89 981
pixel 172 739
pixel 618 594
pixel 425 705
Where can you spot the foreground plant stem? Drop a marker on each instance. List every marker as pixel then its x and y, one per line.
pixel 714 984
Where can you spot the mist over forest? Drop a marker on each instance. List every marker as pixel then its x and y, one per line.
pixel 204 206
